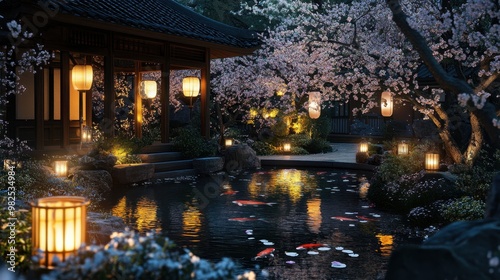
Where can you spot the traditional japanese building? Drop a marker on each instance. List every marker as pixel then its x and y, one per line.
pixel 128 35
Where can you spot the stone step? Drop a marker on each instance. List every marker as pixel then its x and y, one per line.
pixel 160 157
pixel 175 173
pixel 173 165
pixel 158 148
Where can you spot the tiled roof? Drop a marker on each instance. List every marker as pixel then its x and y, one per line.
pixel 164 16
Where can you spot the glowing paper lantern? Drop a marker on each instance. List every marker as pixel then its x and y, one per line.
pixel 191 86
pixel 402 148
pixel 86 135
pixel 431 161
pixel 386 104
pixel 228 142
pixel 287 147
pixel 82 76
pixel 363 147
pixel 58 227
pixel 314 104
pixel 61 168
pixel 148 89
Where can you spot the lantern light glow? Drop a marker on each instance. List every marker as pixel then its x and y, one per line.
pixel 58 227
pixel 191 86
pixel 402 148
pixel 61 168
pixel 81 77
pixel 314 104
pixel 386 104
pixel 363 147
pixel 228 142
pixel 148 89
pixel 431 161
pixel 287 147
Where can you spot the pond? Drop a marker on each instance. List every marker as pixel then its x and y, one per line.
pixel 316 222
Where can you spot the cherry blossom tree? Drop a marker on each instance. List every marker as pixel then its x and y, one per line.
pixel 355 51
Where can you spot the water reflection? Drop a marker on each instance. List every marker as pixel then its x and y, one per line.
pixel 290 207
pixel 141 213
pixel 314 214
pixel 386 244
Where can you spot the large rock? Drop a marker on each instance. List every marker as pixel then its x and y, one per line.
pixel 126 174
pixel 100 226
pixel 461 250
pixel 208 165
pixel 97 161
pixel 240 157
pixel 100 180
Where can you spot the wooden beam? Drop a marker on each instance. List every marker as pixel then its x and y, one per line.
pixel 205 97
pixel 165 98
pixel 138 100
pixel 65 98
pixel 107 123
pixel 39 109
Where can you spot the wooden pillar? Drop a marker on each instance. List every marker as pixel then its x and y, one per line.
pixel 88 99
pixel 205 97
pixel 65 98
pixel 165 97
pixel 39 109
pixel 138 100
pixel 107 124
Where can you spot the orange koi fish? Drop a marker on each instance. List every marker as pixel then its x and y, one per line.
pixel 265 253
pixel 311 246
pixel 252 202
pixel 229 192
pixel 366 218
pixel 339 218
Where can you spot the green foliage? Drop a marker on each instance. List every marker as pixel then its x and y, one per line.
pixel 318 145
pixel 476 180
pixel 131 256
pixel 191 144
pixel 35 180
pixel 263 148
pixel 19 238
pixel 465 208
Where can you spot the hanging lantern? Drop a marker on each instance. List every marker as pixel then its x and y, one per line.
pixel 402 148
pixel 61 168
pixel 287 147
pixel 363 147
pixel 58 227
pixel 386 104
pixel 82 76
pixel 431 161
pixel 148 89
pixel 191 86
pixel 86 135
pixel 314 104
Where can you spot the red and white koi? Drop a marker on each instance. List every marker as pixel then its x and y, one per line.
pixel 265 253
pixel 339 218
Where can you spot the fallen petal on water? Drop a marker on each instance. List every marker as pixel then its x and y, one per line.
pixel 339 248
pixel 313 252
pixel 324 249
pixel 347 251
pixel 337 264
pixel 353 255
pixel 291 254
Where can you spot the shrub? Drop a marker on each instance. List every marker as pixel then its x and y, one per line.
pixel 476 180
pixel 318 145
pixel 263 148
pixel 130 256
pixel 464 208
pixel 192 145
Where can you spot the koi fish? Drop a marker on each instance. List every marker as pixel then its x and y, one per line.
pixel 344 219
pixel 265 253
pixel 366 218
pixel 311 246
pixel 229 192
pixel 252 202
pixel 244 219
